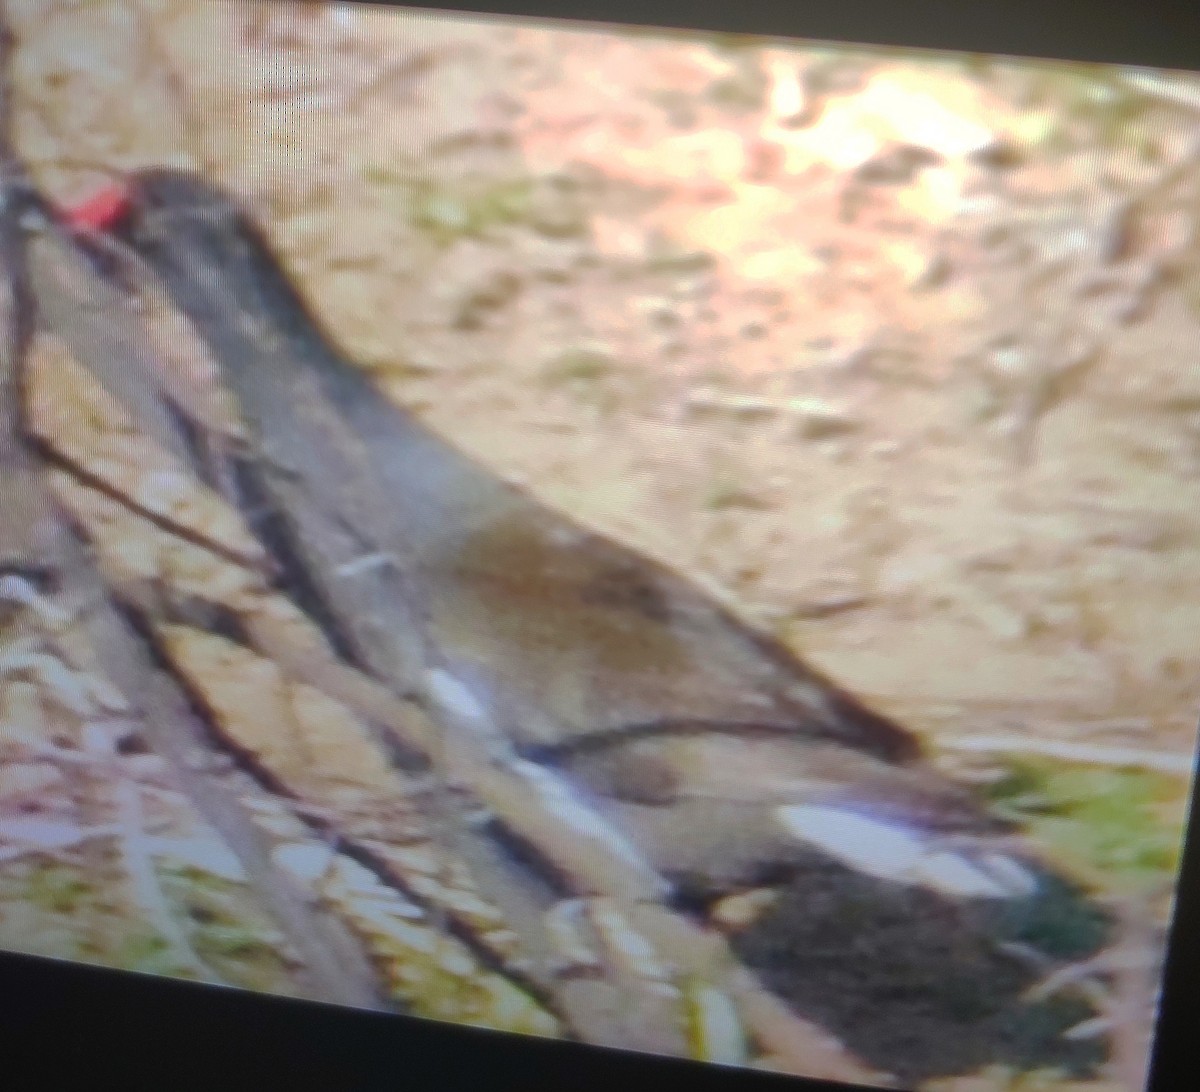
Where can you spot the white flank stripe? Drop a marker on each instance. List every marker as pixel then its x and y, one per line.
pixel 896 853
pixel 868 845
pixel 954 875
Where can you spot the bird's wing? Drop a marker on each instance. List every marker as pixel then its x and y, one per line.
pixel 529 596
pixel 563 631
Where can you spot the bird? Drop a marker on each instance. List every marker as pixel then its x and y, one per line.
pixel 905 914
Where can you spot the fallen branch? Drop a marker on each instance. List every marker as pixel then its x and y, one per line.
pixel 34 539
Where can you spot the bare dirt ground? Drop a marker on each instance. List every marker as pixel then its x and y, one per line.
pixel 897 352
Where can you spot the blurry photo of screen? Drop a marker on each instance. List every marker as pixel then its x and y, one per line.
pixel 675 541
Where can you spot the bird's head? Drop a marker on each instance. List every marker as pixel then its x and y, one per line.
pixel 140 203
pixel 197 236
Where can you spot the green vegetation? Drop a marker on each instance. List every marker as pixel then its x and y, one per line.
pixel 590 374
pixel 728 489
pixel 665 256
pixel 578 365
pixel 478 207
pixel 1088 107
pixel 450 214
pixel 227 929
pixel 58 888
pixel 150 954
pixel 742 92
pixel 1122 826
